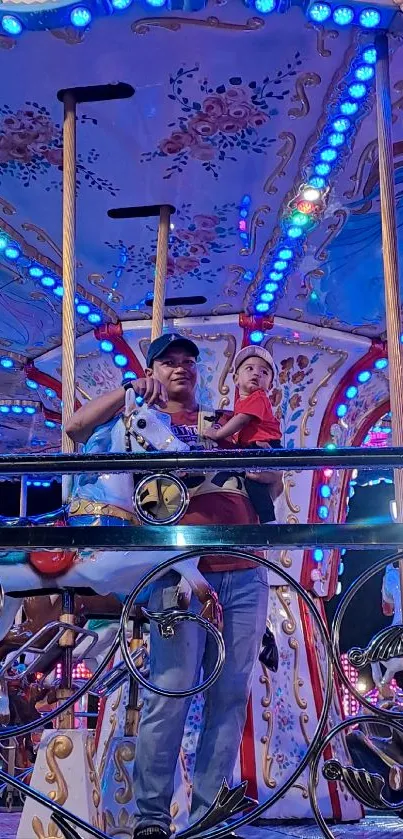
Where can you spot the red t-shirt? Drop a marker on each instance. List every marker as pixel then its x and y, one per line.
pixel 224 502
pixel 263 426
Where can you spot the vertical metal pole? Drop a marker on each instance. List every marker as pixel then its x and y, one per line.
pixel 161 267
pixel 133 707
pixel 390 259
pixel 69 273
pixel 66 643
pixel 23 497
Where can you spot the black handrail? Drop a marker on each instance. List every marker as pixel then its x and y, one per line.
pixel 235 460
pixel 204 537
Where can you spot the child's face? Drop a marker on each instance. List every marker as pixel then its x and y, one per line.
pixel 253 374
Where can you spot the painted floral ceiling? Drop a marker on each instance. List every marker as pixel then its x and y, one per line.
pixel 228 120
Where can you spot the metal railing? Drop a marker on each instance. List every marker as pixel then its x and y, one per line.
pixel 234 460
pixel 226 539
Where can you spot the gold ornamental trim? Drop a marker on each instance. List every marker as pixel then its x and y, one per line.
pixel 82 507
pixel 303 81
pixel 321 35
pixel 90 752
pixel 124 753
pixel 285 154
pixel 174 24
pixel 58 748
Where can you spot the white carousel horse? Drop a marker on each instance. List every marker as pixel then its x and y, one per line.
pixel 106 572
pixel 391 605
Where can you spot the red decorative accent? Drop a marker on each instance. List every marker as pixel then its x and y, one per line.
pixel 251 322
pixel 376 351
pixel 317 690
pixel 114 332
pixel 53 415
pixel 51 563
pixel 247 754
pixel 45 380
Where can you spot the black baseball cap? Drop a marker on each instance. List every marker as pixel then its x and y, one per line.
pixel 158 347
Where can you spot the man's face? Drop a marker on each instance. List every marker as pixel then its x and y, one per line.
pixel 177 370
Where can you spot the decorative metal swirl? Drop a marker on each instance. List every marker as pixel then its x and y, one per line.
pixel 228 801
pixel 382 713
pixel 384 646
pixel 166 622
pixel 363 785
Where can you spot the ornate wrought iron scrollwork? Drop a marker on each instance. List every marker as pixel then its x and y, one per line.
pixel 363 785
pixel 167 621
pixel 228 801
pixel 384 646
pixel 384 642
pixel 367 787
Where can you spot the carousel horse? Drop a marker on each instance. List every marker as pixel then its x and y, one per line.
pixel 391 605
pixel 101 499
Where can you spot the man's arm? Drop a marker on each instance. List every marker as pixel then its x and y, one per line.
pixel 93 413
pixel 100 410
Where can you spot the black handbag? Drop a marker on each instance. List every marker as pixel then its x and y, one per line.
pixel 268 655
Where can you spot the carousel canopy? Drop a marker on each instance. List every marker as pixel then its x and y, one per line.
pixel 258 126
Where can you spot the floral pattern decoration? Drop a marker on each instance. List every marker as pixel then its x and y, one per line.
pixel 99 377
pixel 295 375
pixel 193 242
pixel 31 147
pixel 223 121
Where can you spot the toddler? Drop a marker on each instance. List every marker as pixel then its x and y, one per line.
pixel 253 424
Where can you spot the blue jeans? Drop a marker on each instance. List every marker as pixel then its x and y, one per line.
pixel 175 663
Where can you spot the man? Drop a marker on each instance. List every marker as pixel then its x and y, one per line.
pixel 242 589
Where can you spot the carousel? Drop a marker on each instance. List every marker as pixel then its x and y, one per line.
pixel 221 174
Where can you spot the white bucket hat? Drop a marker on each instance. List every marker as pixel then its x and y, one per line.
pixel 260 352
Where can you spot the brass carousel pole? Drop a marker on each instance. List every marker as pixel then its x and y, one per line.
pixel 69 273
pixel 390 259
pixel 66 642
pixel 161 268
pixel 23 496
pixel 160 281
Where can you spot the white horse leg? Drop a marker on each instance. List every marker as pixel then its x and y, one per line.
pixel 8 613
pixel 111 572
pixel 376 673
pixel 393 666
pixel 106 572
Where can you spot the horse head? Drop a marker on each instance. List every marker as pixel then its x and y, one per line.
pixel 148 428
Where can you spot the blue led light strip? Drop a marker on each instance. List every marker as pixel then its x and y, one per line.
pixel 12 252
pixel 341 126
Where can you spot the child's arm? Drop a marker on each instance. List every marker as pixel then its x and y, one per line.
pixel 231 427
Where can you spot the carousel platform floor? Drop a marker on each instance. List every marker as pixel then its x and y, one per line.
pixel 373 827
